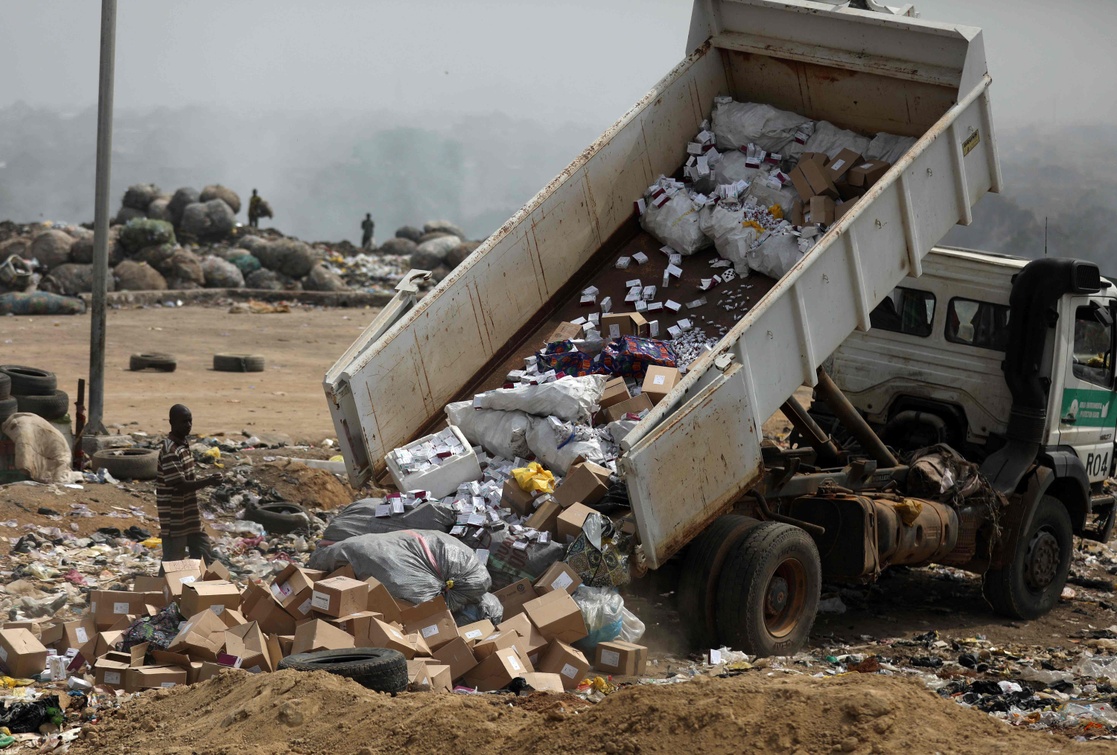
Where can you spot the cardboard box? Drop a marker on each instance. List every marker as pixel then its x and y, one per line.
pixel 633 405
pixel 176 574
pixel 109 606
pixel 818 179
pixel 262 607
pixel 253 649
pixel 544 682
pixel 420 645
pixel 545 518
pixel 198 596
pixel 153 677
pixel 516 498
pixel 440 679
pixel 342 571
pixel 796 215
pixel 616 391
pixel 842 163
pixel 148 583
pixel 209 670
pixel 641 655
pixel 658 381
pixel 475 632
pixel 613 326
pixel 821 158
pixel 21 654
pixel 457 655
pixel 498 670
pixel 557 616
pixel 356 624
pixel 217 572
pixel 381 601
pixel 566 661
pixel 531 640
pixel 842 209
pixel 619 658
pixel 570 521
pixel 867 173
pixel 320 635
pixel 78 634
pixel 292 588
pixel 201 637
pixel 566 331
pixel 498 640
pixel 383 635
pixel 110 673
pixel 558 576
pixel 821 211
pixel 433 621
pixel 52 632
pixel 339 596
pixel 104 643
pixel 514 596
pixel 801 184
pixel 585 482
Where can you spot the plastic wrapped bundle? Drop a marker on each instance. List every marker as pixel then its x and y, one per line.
pixel 737 124
pixel 671 216
pixel 571 399
pixel 502 434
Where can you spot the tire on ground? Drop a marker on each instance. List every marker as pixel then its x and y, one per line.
pixel 378 669
pixel 280 517
pixel 1031 584
pixel 152 361
pixel 8 407
pixel 5 386
pixel 29 381
pixel 54 406
pixel 238 363
pixel 702 565
pixel 128 463
pixel 768 591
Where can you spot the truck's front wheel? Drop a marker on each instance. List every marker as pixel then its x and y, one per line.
pixel 768 591
pixel 1031 584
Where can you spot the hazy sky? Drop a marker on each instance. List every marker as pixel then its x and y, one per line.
pixel 583 61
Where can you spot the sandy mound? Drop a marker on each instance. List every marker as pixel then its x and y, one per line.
pixel 240 714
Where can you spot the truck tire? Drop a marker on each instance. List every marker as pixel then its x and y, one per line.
pixel 29 381
pixel 378 669
pixel 1030 586
pixel 128 463
pixel 279 518
pixel 54 406
pixel 153 361
pixel 768 591
pixel 5 386
pixel 238 363
pixel 701 568
pixel 8 407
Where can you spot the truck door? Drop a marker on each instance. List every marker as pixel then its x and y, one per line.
pixel 1087 411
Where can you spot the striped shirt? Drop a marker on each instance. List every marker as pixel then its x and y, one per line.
pixel 178 512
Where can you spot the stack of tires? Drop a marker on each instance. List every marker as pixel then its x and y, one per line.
pixel 31 390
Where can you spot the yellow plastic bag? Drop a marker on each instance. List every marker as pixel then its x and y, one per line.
pixel 152 542
pixel 533 478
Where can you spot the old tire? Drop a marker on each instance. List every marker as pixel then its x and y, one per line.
pixel 697 588
pixel 238 363
pixel 1030 586
pixel 128 463
pixel 153 361
pixel 8 407
pixel 378 669
pixel 29 381
pixel 279 518
pixel 54 406
pixel 768 591
pixel 5 386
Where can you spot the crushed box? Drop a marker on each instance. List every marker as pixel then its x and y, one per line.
pixel 566 661
pixel 261 606
pixel 566 331
pixel 339 596
pixel 542 681
pixel 201 637
pixel 557 616
pixel 253 650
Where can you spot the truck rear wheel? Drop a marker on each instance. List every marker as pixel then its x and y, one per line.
pixel 768 591
pixel 701 568
pixel 1030 586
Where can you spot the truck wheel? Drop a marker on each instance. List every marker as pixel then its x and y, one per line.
pixel 768 591
pixel 701 569
pixel 1030 586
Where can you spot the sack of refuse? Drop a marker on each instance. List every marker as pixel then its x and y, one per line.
pixel 830 139
pixel 502 434
pixel 489 607
pixel 769 191
pixel 888 147
pixel 603 614
pixel 775 254
pixel 572 399
pixel 559 444
pixel 724 224
pixel 733 167
pixel 671 215
pixel 415 565
pixel 40 449
pixel 566 357
pixel 374 516
pixel 737 124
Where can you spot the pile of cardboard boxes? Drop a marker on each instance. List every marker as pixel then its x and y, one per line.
pixel 254 628
pixel 829 188
pixel 563 513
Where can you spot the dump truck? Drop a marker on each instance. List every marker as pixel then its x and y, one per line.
pixel 757 526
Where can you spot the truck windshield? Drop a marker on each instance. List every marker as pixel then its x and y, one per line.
pixel 977 323
pixel 905 310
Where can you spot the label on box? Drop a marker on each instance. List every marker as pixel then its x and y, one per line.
pixel 610 658
pixel 659 380
pixel 568 670
pixel 320 600
pixel 112 677
pixel 614 331
pixel 281 591
pixel 120 608
pixel 429 631
pixel 396 633
pixel 715 657
pixel 166 685
pixel 474 634
pixel 837 165
pixel 82 635
pixel 514 662
pixel 561 582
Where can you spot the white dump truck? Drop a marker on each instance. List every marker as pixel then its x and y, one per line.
pixel 759 527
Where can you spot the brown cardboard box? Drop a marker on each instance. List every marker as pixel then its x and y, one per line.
pixel 209 670
pixel 569 663
pixel 634 405
pixel 381 601
pixel 558 576
pixel 339 596
pixel 344 570
pixel 384 635
pixel 292 588
pixel 868 173
pixel 176 574
pixel 475 632
pixel 21 654
pixel 658 382
pixel 585 482
pixel 201 637
pixel 198 596
pixel 356 624
pixel 531 639
pixel 557 616
pixel 77 634
pixel 842 163
pixel 641 655
pixel 230 616
pixel 52 632
pixel 801 184
pixel 842 209
pixel 545 518
pixel 433 621
pixel 109 673
pixel 153 677
pixel 796 216
pixel 429 674
pixel 516 498
pixel 498 640
pixel 821 158
pixel 167 658
pixel 570 522
pixel 262 607
pixel 618 658
pixel 108 606
pixel 251 647
pixel 849 192
pixel 439 675
pixel 498 670
pixel 544 682
pixel 818 179
pixel 217 572
pixel 420 645
pixel 514 596
pixel 457 655
pixel 566 331
pixel 623 324
pixel 822 210
pixel 319 635
pixel 616 391
pixel 104 643
pixel 148 583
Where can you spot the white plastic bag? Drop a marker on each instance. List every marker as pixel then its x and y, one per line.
pixel 603 613
pixel 732 168
pixel 731 239
pixel 40 450
pixel 572 399
pixel 676 224
pixel 632 629
pixel 736 124
pixel 558 444
pixel 830 139
pixel 768 191
pixel 502 434
pixel 776 254
pixel 888 147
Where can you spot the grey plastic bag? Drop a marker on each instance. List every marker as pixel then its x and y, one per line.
pixel 359 518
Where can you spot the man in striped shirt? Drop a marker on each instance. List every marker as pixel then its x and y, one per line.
pixel 176 494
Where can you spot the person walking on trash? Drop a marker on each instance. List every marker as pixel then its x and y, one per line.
pixel 257 208
pixel 176 494
pixel 367 227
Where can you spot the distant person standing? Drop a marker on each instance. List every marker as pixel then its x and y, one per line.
pixel 367 227
pixel 176 494
pixel 257 208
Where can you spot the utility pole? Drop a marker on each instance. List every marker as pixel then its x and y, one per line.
pixel 101 220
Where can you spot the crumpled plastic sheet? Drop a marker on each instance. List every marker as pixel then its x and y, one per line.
pixel 571 399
